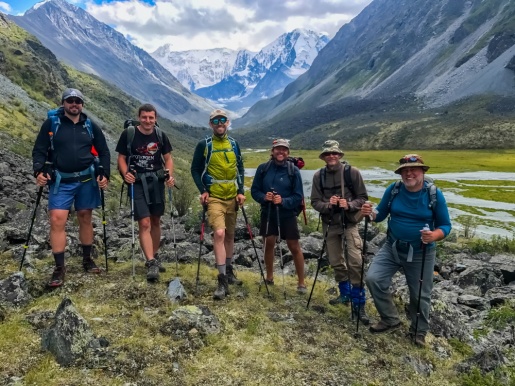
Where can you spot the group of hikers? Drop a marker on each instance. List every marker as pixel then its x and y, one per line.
pixel 72 157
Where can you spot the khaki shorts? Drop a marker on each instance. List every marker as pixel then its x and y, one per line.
pixel 222 214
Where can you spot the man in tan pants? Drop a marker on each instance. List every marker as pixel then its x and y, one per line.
pixel 338 192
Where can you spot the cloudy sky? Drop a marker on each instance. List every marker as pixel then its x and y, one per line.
pixel 202 24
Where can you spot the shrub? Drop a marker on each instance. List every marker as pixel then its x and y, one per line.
pixel 185 193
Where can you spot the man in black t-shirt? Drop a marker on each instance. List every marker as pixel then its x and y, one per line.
pixel 142 165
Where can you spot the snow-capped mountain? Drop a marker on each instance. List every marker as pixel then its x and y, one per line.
pixel 237 79
pixel 89 45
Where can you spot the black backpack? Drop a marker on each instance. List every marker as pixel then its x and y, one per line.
pixel 290 162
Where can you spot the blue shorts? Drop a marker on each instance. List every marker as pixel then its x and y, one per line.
pixel 85 195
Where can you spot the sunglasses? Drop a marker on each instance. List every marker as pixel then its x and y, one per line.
pixel 331 153
pixel 218 121
pixel 77 101
pixel 411 159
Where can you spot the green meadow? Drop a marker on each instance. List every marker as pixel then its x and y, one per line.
pixel 441 161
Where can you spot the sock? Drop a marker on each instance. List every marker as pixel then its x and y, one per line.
pixel 228 261
pixel 221 269
pixel 86 252
pixel 59 259
pixel 156 256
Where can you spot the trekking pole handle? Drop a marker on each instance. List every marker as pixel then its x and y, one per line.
pixel 371 204
pixel 101 172
pixel 425 229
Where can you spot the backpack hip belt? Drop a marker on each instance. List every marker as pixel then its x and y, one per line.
pixel 155 186
pixel 75 175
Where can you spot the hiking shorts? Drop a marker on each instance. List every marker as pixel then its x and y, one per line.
pixel 289 227
pixel 157 206
pixel 84 195
pixel 222 214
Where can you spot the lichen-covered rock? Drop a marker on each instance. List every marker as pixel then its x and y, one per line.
pixel 14 290
pixel 69 336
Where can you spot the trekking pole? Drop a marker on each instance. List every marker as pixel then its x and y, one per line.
pixel 101 173
pixel 367 219
pixel 279 247
pixel 204 210
pixel 255 249
pixel 132 222
pixel 319 260
pixel 46 167
pixel 346 254
pixel 170 199
pixel 121 196
pixel 424 247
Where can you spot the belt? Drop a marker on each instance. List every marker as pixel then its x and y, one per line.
pixel 404 245
pixel 74 177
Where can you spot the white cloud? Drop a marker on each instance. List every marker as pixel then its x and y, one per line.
pixel 236 24
pixel 5 7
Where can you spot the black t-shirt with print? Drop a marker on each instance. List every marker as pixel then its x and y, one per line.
pixel 146 150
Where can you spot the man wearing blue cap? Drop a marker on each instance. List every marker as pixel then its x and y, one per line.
pixel 71 142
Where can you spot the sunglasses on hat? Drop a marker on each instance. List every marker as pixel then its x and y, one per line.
pixel 410 159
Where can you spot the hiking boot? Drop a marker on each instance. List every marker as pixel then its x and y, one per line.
pixel 269 281
pixel 363 317
pixel 57 279
pixel 301 289
pixel 222 290
pixel 152 270
pixel 342 299
pixel 381 327
pixel 419 340
pixel 90 266
pixel 231 276
pixel 159 263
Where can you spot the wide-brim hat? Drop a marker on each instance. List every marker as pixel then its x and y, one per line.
pixel 72 92
pixel 281 142
pixel 330 146
pixel 218 113
pixel 411 161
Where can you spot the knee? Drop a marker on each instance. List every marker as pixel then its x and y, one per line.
pixel 155 222
pixel 57 221
pixel 84 216
pixel 219 235
pixel 144 225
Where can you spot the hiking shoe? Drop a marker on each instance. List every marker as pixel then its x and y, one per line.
pixel 222 290
pixel 159 263
pixel 363 317
pixel 152 270
pixel 381 327
pixel 231 276
pixel 57 279
pixel 342 299
pixel 301 289
pixel 90 266
pixel 419 340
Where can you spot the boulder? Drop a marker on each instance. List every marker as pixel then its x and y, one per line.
pixel 14 290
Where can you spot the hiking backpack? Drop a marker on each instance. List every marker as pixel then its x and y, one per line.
pixel 235 149
pixel 346 176
pixel 291 164
pixel 54 115
pixel 431 191
pixel 130 126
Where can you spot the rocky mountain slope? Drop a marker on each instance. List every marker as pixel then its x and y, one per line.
pixel 239 79
pixel 80 40
pixel 115 329
pixel 403 61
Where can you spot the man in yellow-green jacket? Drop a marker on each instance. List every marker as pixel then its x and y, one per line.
pixel 217 169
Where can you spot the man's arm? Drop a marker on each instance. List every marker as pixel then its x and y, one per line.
pixel 41 146
pixel 197 166
pixel 360 190
pixel 317 196
pixel 100 143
